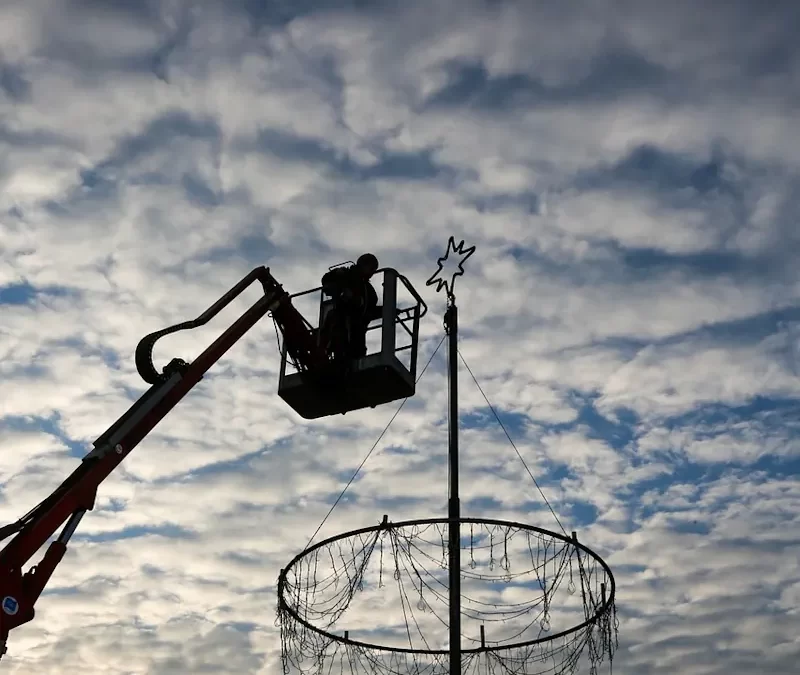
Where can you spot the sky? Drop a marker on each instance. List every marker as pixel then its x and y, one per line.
pixel 629 174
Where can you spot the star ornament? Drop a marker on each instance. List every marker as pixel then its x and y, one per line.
pixel 441 280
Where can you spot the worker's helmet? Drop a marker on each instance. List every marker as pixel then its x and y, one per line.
pixel 368 263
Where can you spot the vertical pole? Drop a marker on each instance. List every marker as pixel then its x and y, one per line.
pixel 388 328
pixel 454 505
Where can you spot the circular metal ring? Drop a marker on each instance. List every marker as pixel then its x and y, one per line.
pixel 603 609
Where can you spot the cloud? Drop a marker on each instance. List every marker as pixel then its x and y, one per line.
pixel 629 176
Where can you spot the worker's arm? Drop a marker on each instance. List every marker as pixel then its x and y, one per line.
pixel 374 310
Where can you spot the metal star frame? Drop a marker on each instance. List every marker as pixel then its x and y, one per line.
pixel 444 283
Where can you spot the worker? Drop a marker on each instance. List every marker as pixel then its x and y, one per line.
pixel 355 305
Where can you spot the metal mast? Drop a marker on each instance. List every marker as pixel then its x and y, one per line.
pixel 453 503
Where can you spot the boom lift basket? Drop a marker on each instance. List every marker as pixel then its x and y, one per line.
pixel 379 377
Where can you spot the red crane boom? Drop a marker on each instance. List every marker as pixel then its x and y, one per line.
pixel 76 495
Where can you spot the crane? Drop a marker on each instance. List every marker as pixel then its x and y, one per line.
pixel 375 379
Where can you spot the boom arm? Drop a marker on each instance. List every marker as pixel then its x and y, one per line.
pixel 76 495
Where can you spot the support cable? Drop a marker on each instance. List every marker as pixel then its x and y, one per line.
pixel 508 436
pixel 374 445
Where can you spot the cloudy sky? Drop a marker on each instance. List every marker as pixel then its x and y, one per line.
pixel 630 174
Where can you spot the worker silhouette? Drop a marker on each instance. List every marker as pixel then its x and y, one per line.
pixel 355 304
